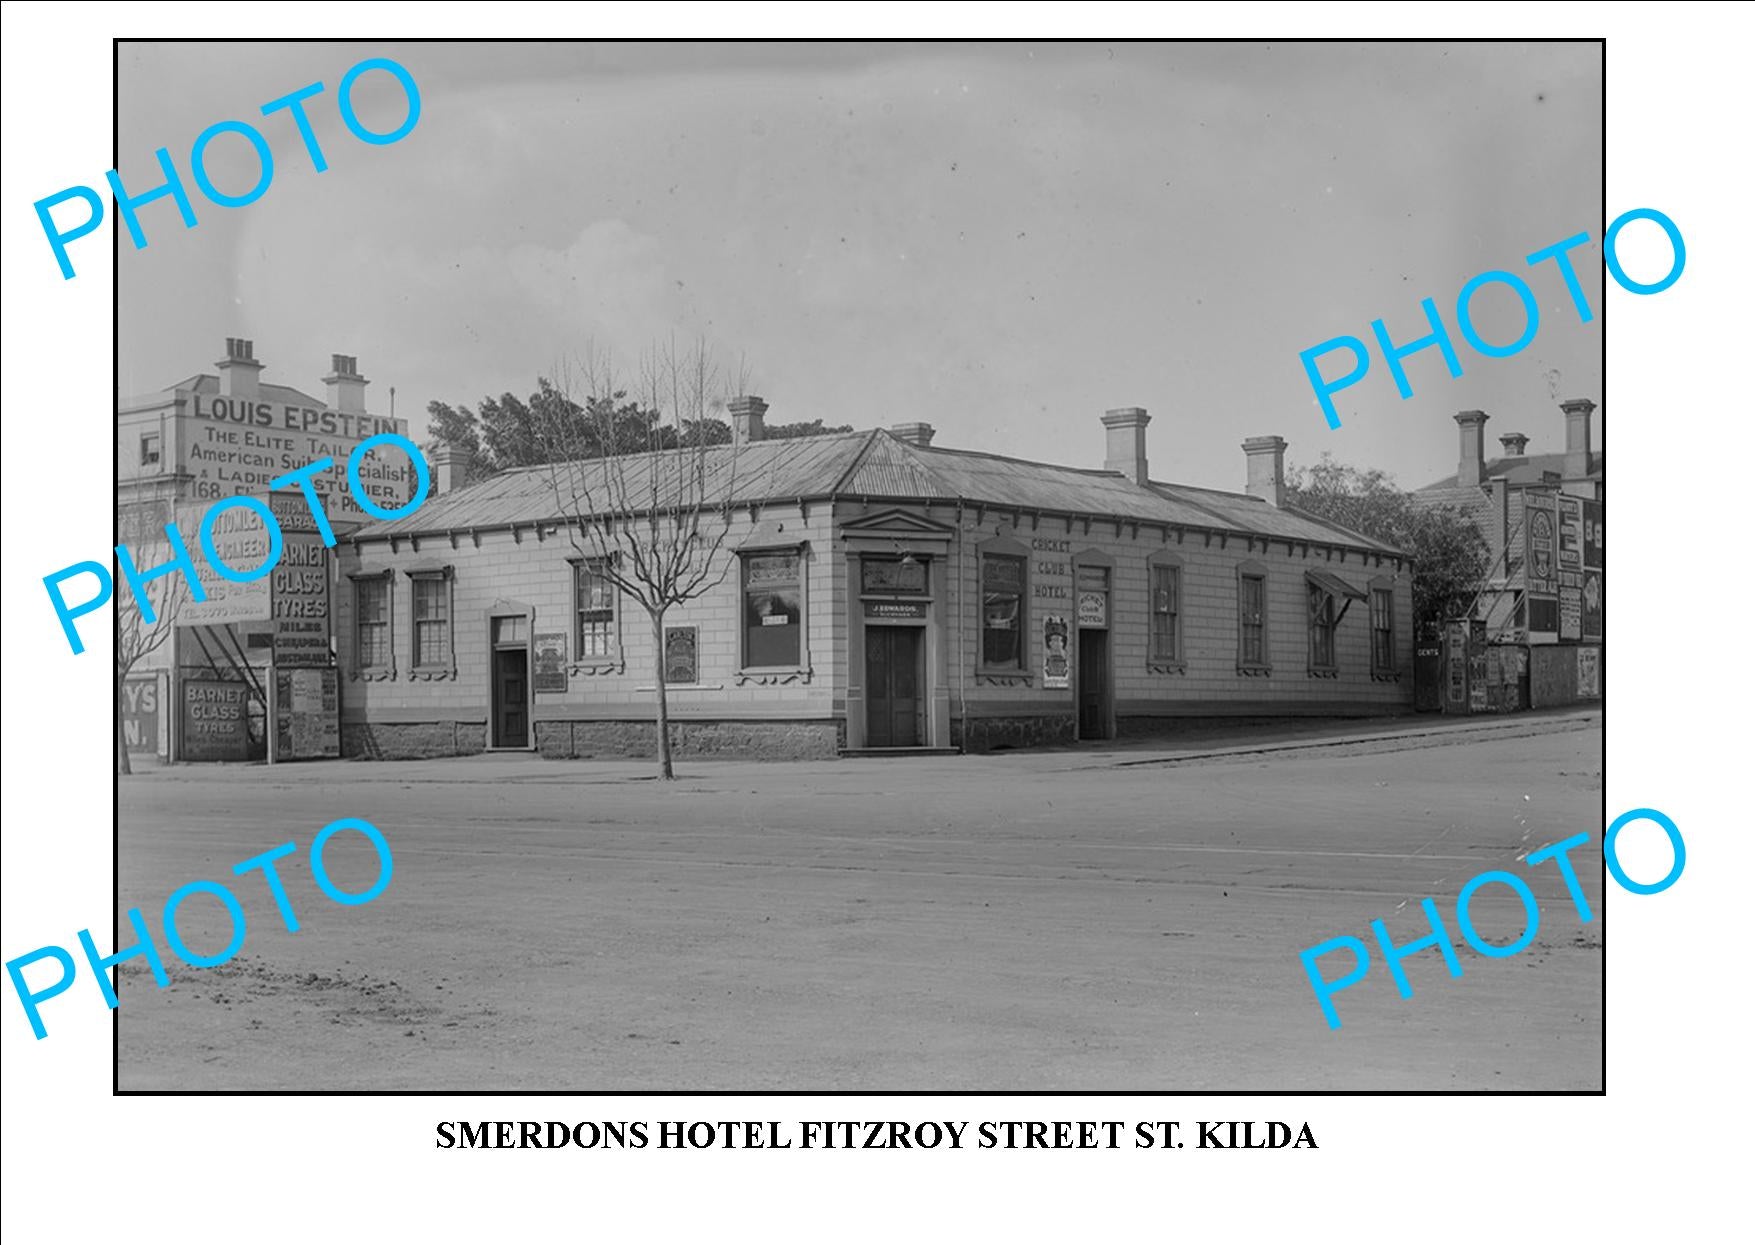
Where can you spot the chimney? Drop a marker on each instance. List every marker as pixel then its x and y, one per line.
pixel 347 388
pixel 1125 434
pixel 1267 469
pixel 449 472
pixel 239 373
pixel 913 434
pixel 1578 412
pixel 1472 464
pixel 1513 444
pixel 746 418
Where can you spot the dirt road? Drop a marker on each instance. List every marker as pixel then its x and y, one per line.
pixel 1058 920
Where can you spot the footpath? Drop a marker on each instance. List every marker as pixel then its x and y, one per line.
pixel 1203 741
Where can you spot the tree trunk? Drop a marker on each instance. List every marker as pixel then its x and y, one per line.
pixel 123 765
pixel 664 769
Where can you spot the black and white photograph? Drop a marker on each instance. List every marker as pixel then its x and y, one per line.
pixel 1026 587
pixel 882 606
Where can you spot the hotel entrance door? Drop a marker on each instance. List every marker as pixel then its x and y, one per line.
pixel 892 687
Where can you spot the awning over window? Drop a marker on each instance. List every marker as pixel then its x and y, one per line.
pixel 1334 585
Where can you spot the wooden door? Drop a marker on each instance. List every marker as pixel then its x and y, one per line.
pixel 1093 684
pixel 892 687
pixel 511 698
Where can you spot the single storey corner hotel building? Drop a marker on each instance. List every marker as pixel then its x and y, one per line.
pixel 878 592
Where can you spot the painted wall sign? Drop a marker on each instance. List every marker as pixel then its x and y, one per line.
pixel 241 540
pixel 1093 609
pixel 895 609
pixel 1571 614
pixel 216 720
pixel 681 663
pixel 140 706
pixel 1056 667
pixel 549 653
pixel 299 591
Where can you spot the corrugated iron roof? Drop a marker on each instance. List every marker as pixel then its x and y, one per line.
pixel 867 465
pixel 1526 470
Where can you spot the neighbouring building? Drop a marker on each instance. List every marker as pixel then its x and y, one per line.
pixel 1535 638
pixel 204 693
pixel 875 592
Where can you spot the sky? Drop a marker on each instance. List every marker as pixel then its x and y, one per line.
pixel 1002 240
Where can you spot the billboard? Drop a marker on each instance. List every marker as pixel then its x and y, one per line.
pixel 230 446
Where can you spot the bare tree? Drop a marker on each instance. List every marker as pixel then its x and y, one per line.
pixel 654 523
pixel 141 526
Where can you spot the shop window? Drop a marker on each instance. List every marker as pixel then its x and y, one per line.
pixel 1252 638
pixel 773 609
pixel 149 449
pixel 1165 583
pixel 1383 631
pixel 594 596
pixel 372 649
pixel 430 591
pixel 1322 630
pixel 1004 579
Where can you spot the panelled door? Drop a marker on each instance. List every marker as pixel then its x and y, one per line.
pixel 892 687
pixel 511 698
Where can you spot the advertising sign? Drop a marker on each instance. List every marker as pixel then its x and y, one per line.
pixel 1571 533
pixel 307 714
pixel 1591 628
pixel 1539 523
pixel 1590 671
pixel 550 656
pixel 241 540
pixel 1056 666
pixel 140 713
pixel 1593 534
pixel 216 720
pixel 233 446
pixel 1093 609
pixel 1571 613
pixel 680 665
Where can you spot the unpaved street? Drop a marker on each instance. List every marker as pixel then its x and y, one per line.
pixel 1054 920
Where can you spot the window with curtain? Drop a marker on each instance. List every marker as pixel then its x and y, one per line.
pixel 773 609
pixel 1002 611
pixel 1166 613
pixel 1252 620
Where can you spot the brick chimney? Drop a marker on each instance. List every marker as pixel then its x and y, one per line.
pixel 239 373
pixel 1471 467
pixel 746 418
pixel 1125 435
pixel 347 388
pixel 1513 443
pixel 449 470
pixel 1267 469
pixel 1578 412
pixel 913 434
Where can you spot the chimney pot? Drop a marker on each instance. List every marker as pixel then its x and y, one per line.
pixel 1578 413
pixel 1125 442
pixel 1514 444
pixel 1471 461
pixel 913 434
pixel 1266 457
pixel 347 388
pixel 239 373
pixel 746 418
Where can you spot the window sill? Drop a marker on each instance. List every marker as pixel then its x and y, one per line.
pixel 1004 678
pixel 1386 676
pixel 1162 666
pixel 597 665
pixel 373 674
pixel 1253 669
pixel 770 676
pixel 1325 672
pixel 431 674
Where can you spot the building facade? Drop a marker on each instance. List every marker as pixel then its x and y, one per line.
pixel 871 591
pixel 205 692
pixel 1535 637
